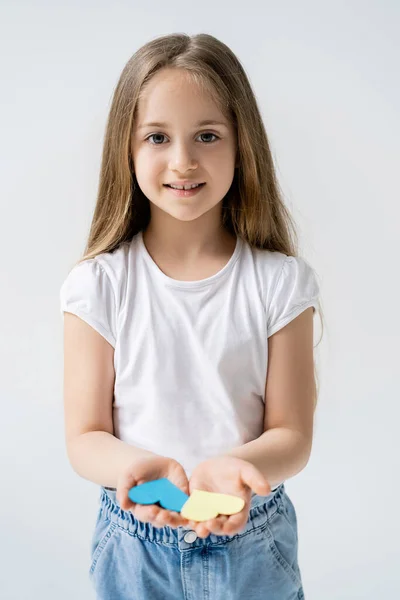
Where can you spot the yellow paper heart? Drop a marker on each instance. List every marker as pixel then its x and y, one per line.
pixel 202 506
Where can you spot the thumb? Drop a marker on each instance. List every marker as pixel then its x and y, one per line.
pixel 179 478
pixel 254 479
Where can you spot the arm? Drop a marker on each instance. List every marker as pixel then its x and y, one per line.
pixel 93 451
pixel 285 446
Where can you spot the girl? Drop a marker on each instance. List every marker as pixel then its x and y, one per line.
pixel 188 336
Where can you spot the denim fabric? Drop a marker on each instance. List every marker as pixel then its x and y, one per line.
pixel 132 560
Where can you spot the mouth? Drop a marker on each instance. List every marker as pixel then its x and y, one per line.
pixel 182 193
pixel 187 189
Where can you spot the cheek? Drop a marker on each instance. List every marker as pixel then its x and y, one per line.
pixel 222 159
pixel 147 168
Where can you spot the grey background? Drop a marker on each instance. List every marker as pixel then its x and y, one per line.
pixel 326 78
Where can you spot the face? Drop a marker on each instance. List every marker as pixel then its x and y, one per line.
pixel 180 148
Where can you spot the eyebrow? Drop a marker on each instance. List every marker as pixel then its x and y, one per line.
pixel 199 124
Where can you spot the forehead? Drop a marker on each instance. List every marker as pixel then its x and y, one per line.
pixel 173 95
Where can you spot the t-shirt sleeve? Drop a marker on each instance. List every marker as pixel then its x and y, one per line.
pixel 296 289
pixel 87 292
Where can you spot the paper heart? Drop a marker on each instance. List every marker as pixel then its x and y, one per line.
pixel 161 491
pixel 202 506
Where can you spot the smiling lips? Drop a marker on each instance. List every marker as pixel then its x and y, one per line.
pixel 184 184
pixel 185 193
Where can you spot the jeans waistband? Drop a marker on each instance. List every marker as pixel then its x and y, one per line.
pixel 261 509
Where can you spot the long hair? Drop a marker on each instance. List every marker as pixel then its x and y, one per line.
pixel 253 208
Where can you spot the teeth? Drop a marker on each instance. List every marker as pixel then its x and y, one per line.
pixel 186 187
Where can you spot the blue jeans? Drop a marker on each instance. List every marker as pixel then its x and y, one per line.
pixel 132 560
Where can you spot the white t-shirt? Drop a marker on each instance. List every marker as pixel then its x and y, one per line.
pixel 190 357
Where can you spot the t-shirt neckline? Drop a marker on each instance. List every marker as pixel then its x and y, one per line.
pixel 176 283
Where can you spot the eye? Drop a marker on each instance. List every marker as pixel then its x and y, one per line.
pixel 161 135
pixel 155 135
pixel 209 133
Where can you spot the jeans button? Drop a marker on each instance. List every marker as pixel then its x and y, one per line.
pixel 190 537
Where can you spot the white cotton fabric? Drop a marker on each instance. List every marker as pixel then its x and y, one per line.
pixel 190 356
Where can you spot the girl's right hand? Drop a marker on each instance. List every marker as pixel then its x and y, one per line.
pixel 149 468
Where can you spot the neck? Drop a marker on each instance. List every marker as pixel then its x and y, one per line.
pixel 187 240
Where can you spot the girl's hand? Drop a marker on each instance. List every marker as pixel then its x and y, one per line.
pixel 149 468
pixel 227 475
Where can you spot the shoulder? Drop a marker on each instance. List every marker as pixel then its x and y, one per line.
pixel 268 260
pixel 268 265
pixel 94 290
pixel 114 264
pixel 107 270
pixel 290 285
pixel 277 267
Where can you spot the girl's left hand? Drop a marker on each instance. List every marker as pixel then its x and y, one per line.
pixel 227 475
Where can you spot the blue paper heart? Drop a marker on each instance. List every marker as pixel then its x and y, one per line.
pixel 161 491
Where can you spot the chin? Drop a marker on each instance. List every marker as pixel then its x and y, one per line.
pixel 186 217
pixel 185 212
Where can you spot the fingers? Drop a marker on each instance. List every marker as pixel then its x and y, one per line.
pixel 146 513
pixel 158 516
pixel 227 525
pixel 179 478
pixel 254 479
pixel 216 526
pixel 223 525
pixel 123 498
pixel 201 530
pixel 127 482
pixel 234 524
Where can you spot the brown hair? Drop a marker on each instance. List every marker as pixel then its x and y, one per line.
pixel 253 208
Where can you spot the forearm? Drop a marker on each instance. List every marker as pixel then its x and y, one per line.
pixel 99 457
pixel 279 454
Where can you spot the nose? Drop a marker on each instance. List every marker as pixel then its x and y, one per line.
pixel 182 158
